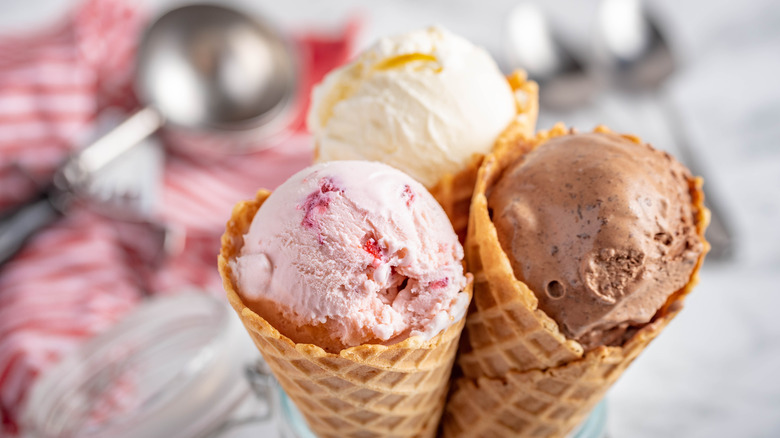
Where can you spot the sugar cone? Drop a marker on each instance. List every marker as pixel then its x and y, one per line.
pixel 363 391
pixel 454 191
pixel 521 376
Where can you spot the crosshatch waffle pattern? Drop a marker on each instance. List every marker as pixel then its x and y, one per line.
pixel 454 190
pixel 540 403
pixel 505 330
pixel 374 392
pixel 364 391
pixel 522 377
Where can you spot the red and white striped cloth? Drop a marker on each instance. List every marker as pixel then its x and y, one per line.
pixel 82 274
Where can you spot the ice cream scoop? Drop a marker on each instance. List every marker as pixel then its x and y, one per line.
pixel 601 228
pixel 348 253
pixel 423 102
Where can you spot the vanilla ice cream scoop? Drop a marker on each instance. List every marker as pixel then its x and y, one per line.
pixel 423 102
pixel 350 252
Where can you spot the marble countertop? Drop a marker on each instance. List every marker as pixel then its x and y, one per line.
pixel 714 370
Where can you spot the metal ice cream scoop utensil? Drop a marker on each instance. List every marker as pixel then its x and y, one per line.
pixel 532 45
pixel 630 43
pixel 199 67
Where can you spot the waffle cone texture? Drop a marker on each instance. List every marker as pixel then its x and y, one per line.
pixel 364 391
pixel 454 191
pixel 521 377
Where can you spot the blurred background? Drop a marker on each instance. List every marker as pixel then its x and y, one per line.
pixel 707 91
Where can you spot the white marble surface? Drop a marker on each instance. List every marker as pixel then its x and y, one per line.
pixel 714 371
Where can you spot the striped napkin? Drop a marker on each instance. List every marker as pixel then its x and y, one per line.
pixel 82 274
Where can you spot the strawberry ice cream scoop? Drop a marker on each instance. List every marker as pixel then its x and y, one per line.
pixel 352 252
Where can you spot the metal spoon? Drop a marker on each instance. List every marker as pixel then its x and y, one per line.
pixel 533 46
pixel 631 46
pixel 199 67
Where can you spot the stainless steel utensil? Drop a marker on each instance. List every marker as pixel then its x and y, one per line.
pixel 630 44
pixel 632 47
pixel 534 47
pixel 199 67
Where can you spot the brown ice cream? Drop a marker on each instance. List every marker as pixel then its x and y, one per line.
pixel 600 228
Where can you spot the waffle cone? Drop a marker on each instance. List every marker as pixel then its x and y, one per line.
pixel 454 191
pixel 521 376
pixel 364 391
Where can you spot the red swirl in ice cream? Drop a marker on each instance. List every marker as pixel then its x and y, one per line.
pixel 350 252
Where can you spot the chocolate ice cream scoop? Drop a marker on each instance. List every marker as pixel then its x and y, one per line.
pixel 601 228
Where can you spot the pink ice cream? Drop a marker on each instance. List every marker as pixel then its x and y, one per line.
pixel 352 252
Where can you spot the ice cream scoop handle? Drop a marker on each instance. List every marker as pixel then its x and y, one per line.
pixel 117 141
pixel 719 234
pixel 17 225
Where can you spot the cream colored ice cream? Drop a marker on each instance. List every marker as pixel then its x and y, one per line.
pixel 423 102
